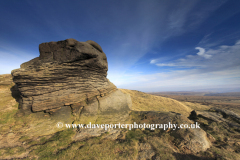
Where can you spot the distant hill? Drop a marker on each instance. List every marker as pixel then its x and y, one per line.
pixel 181 93
pixel 227 94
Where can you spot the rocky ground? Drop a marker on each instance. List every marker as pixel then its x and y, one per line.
pixel 22 137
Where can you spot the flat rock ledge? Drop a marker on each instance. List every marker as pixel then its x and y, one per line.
pixel 71 74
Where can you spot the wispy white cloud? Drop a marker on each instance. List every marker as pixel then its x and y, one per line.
pixel 222 70
pixel 153 61
pixel 213 59
pixel 185 80
pixel 155 25
pixel 202 53
pixel 166 64
pixel 133 34
pixel 212 39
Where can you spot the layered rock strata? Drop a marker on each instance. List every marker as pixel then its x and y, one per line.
pixel 70 73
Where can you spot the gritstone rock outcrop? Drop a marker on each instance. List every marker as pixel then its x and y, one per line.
pixel 71 74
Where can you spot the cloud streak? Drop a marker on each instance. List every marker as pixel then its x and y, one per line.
pixel 155 27
pixel 221 70
pixel 202 53
pixel 131 33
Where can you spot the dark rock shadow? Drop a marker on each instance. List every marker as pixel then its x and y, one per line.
pixel 17 96
pixel 15 93
pixel 181 156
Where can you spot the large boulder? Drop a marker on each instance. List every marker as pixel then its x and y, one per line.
pixel 71 74
pixel 185 134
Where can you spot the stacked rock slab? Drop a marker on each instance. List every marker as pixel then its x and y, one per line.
pixel 71 73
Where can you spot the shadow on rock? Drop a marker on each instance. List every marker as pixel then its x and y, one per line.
pixel 15 93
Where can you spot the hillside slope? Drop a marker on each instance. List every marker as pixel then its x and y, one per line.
pixel 19 137
pixel 146 102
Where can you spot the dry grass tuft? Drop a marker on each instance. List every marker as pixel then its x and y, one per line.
pixel 146 102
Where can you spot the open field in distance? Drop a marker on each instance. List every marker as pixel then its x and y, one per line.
pixel 229 100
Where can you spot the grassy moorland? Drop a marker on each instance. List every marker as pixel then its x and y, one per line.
pixel 19 139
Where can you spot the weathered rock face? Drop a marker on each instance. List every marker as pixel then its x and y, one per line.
pixel 70 73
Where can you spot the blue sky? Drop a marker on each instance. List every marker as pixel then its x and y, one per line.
pixel 155 45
